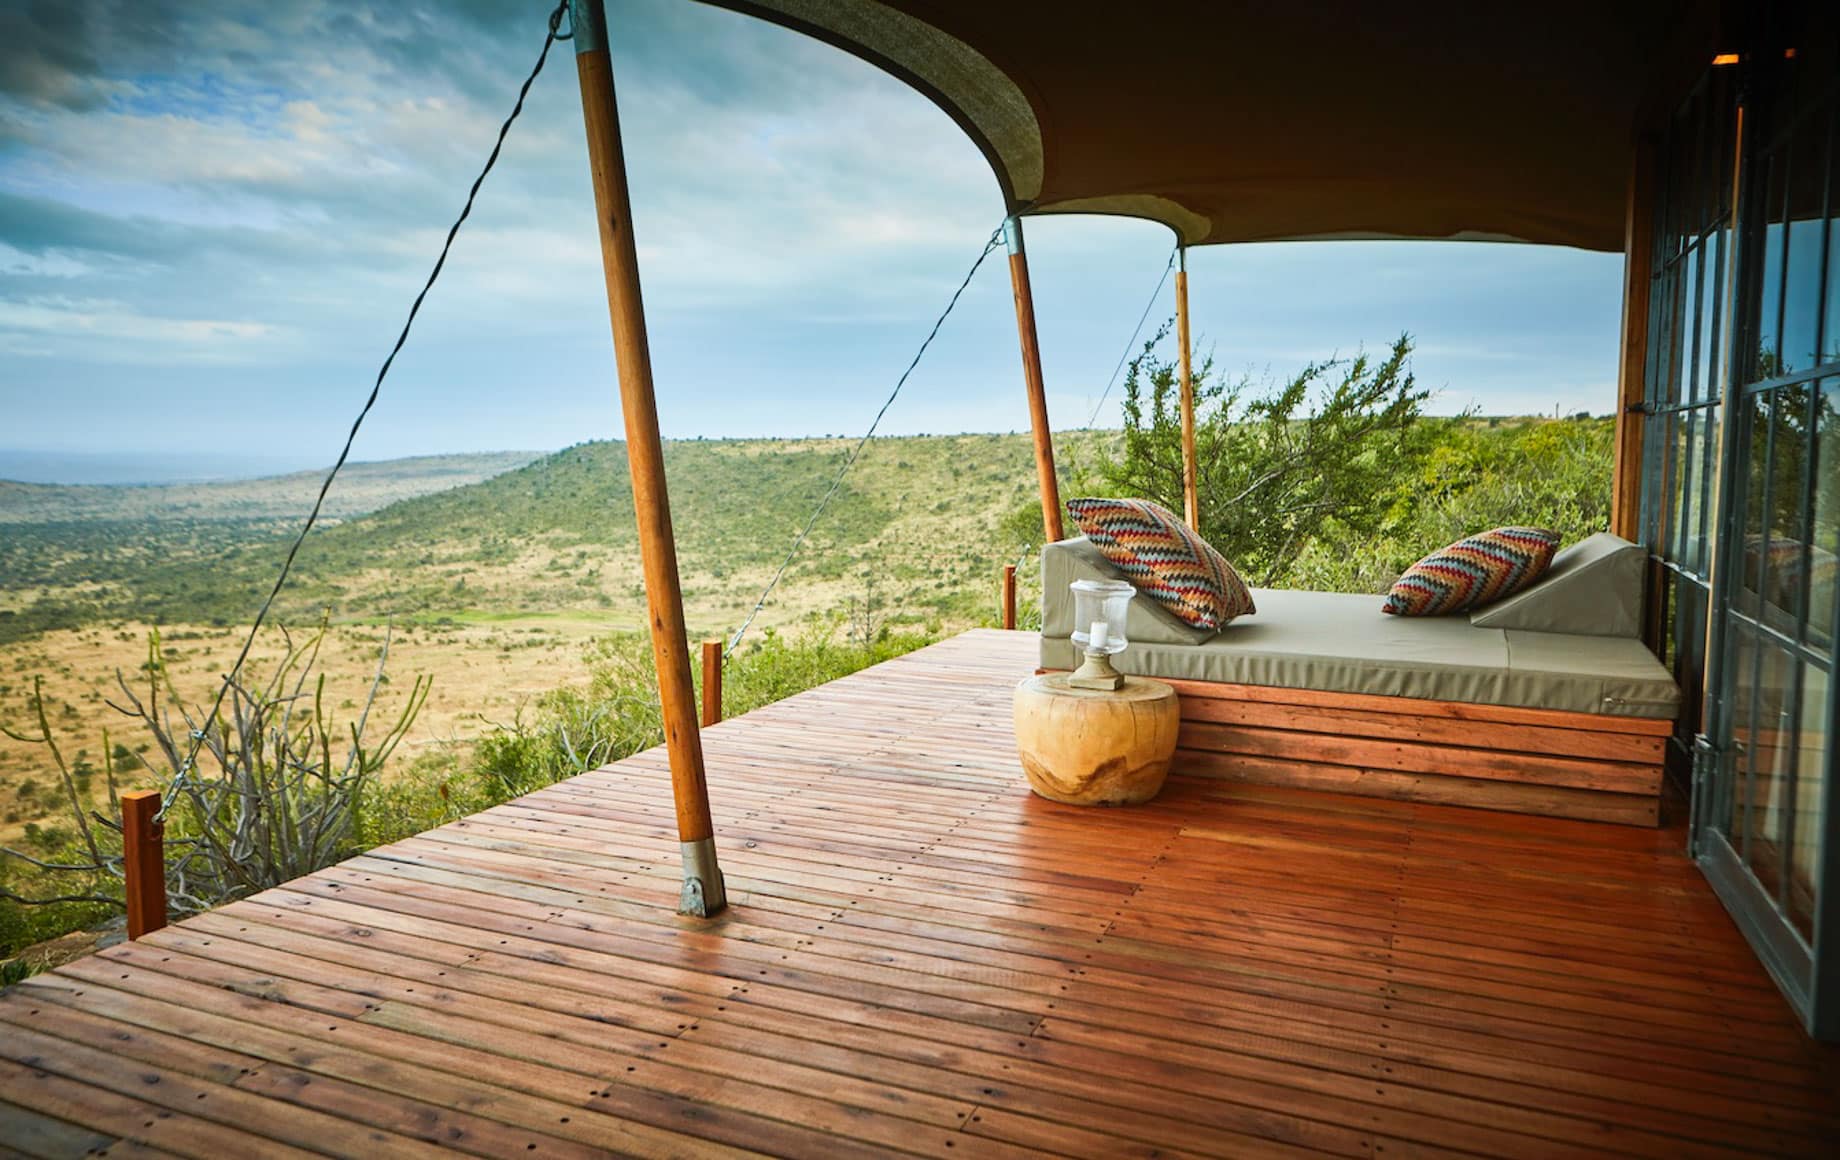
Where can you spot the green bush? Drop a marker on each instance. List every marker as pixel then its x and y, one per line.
pixel 22 926
pixel 1279 468
pixel 1476 476
pixel 1335 481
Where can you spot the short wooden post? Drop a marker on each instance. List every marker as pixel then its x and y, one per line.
pixel 1191 502
pixel 1031 376
pixel 143 860
pixel 1009 596
pixel 712 682
pixel 703 890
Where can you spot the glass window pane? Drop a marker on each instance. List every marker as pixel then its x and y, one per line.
pixel 1770 754
pixel 1654 387
pixel 1680 149
pixel 1745 594
pixel 1686 460
pixel 1704 481
pixel 1662 503
pixel 1728 814
pixel 1807 185
pixel 1693 338
pixel 1706 377
pixel 1677 335
pixel 1662 623
pixel 1788 535
pixel 1690 660
pixel 1810 801
pixel 1824 553
pixel 1769 310
pixel 1830 327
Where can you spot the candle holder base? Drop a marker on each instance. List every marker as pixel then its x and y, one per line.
pixel 1096 673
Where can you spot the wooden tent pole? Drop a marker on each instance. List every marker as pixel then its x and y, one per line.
pixel 703 891
pixel 1638 242
pixel 1191 502
pixel 1031 374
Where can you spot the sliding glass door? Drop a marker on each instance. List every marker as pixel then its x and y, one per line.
pixel 1741 491
pixel 1689 328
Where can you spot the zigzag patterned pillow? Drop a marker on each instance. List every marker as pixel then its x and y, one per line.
pixel 1473 572
pixel 1168 562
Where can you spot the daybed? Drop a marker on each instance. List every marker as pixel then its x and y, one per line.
pixel 1491 709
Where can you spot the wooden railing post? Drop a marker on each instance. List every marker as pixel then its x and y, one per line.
pixel 1191 500
pixel 143 860
pixel 703 890
pixel 1031 377
pixel 1009 596
pixel 712 682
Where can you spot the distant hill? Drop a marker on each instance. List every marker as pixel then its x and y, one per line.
pixel 917 532
pixel 360 488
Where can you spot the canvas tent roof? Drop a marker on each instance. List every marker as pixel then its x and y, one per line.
pixel 1240 121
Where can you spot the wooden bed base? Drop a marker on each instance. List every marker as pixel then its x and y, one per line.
pixel 1528 761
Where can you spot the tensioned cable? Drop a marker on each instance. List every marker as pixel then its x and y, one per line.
pixel 200 732
pixel 850 460
pixel 1132 344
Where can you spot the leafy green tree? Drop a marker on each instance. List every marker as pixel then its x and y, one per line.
pixel 1279 469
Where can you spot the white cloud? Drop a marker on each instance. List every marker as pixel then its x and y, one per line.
pixel 117 332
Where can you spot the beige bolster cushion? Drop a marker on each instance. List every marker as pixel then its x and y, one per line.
pixel 1594 588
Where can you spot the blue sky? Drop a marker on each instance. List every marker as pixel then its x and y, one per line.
pixel 212 216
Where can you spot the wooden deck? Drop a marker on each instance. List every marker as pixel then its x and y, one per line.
pixel 922 958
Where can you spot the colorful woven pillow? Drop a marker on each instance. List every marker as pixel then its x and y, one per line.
pixel 1168 562
pixel 1472 572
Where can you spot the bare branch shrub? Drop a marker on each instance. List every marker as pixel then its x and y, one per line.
pixel 264 791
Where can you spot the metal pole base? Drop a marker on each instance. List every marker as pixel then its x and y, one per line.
pixel 705 893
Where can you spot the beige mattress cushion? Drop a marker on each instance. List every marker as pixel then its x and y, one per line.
pixel 1343 643
pixel 1594 587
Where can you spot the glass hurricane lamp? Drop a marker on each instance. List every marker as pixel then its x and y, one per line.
pixel 1098 613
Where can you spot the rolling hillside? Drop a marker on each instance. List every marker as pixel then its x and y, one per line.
pixel 917 531
pixel 361 488
pixel 493 587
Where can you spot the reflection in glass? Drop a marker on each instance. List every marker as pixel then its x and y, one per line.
pixel 1771 753
pixel 1756 487
pixel 1693 337
pixel 1802 285
pixel 1676 466
pixel 1775 550
pixel 1769 309
pixel 1824 530
pixel 1706 481
pixel 1810 801
pixel 1691 601
pixel 1705 377
pixel 1743 647
pixel 1678 323
pixel 1830 326
pixel 1692 553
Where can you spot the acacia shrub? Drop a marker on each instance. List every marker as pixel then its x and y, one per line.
pixel 1335 480
pixel 1277 468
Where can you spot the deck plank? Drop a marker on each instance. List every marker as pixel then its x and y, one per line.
pixel 923 959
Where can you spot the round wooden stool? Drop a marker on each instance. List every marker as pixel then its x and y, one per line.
pixel 1091 747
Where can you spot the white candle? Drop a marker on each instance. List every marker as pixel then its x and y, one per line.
pixel 1101 635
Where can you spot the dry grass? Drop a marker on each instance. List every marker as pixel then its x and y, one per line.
pixel 482 673
pixel 484 666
